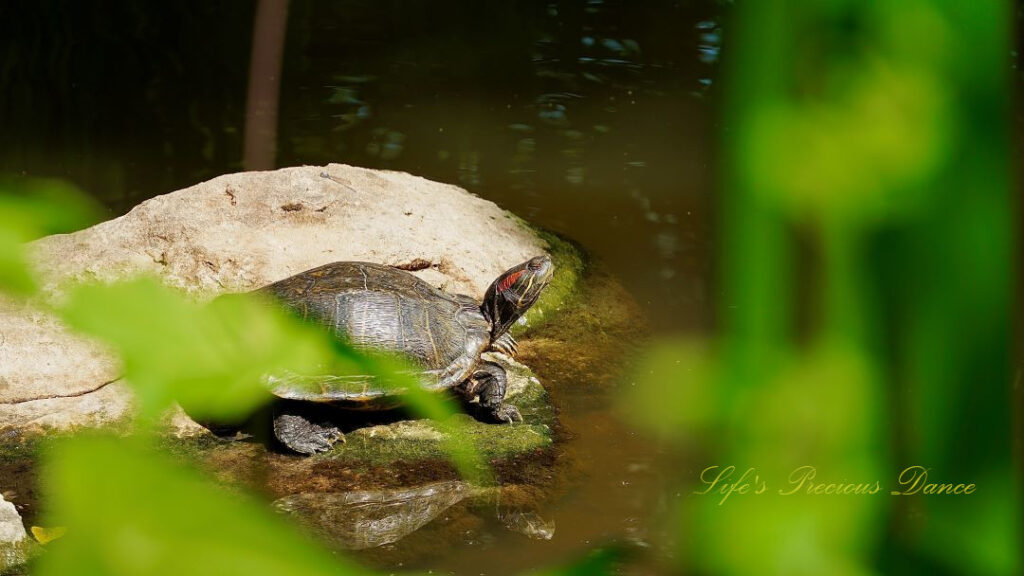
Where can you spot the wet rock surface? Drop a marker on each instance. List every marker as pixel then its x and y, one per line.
pixel 236 233
pixel 392 450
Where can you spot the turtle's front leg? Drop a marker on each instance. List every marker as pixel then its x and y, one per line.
pixel 490 382
pixel 506 344
pixel 462 367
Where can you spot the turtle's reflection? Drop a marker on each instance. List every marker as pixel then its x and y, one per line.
pixel 370 518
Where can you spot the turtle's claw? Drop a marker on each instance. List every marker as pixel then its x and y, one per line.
pixel 325 440
pixel 506 344
pixel 335 436
pixel 508 413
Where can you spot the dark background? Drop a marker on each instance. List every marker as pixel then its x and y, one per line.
pixel 592 119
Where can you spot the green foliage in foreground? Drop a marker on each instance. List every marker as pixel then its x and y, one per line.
pixel 877 133
pixel 212 359
pixel 30 208
pixel 599 562
pixel 130 511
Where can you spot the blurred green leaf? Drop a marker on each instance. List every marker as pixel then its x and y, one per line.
pixel 40 206
pixel 863 125
pixel 862 153
pixel 131 512
pixel 982 549
pixel 30 208
pixel 599 562
pixel 821 411
pixel 674 393
pixel 212 359
pixel 14 275
pixel 769 533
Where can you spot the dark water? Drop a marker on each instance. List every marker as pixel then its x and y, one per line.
pixel 593 119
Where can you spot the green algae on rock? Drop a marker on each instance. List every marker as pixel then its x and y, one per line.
pixel 425 439
pixel 562 291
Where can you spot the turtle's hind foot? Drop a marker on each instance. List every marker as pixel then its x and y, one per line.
pixel 507 413
pixel 303 436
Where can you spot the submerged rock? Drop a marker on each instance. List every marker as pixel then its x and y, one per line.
pixel 239 232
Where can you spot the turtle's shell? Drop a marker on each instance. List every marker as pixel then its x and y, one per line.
pixel 381 308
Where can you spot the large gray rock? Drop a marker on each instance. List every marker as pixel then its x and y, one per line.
pixel 236 233
pixel 39 360
pixel 242 231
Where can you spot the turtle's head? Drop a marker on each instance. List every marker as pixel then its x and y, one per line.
pixel 512 294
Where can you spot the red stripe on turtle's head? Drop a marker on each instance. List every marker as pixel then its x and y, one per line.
pixel 509 280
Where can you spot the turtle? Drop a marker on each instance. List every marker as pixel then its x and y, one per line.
pixel 383 308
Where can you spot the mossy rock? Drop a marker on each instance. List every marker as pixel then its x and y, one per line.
pixel 410 440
